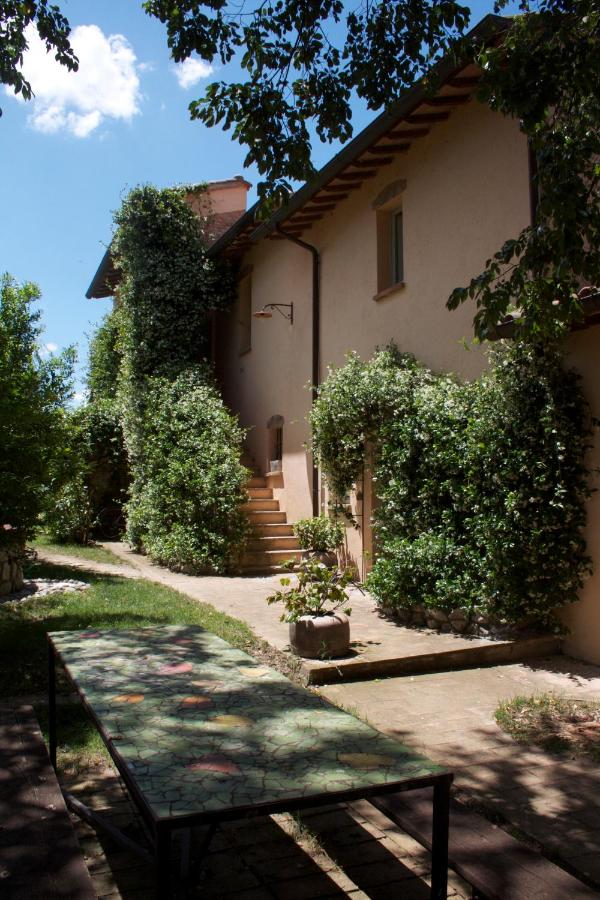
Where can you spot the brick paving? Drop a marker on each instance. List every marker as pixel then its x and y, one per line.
pixel 340 851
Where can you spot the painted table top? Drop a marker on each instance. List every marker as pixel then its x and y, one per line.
pixel 203 728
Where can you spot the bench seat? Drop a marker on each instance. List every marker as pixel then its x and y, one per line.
pixel 40 856
pixel 496 865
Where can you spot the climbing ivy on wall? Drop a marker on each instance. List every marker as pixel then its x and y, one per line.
pixel 168 284
pixel 481 486
pixel 182 444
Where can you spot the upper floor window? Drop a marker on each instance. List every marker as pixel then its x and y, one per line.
pixel 390 239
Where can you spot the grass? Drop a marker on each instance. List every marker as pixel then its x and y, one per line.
pixel 90 552
pixel 556 724
pixel 110 602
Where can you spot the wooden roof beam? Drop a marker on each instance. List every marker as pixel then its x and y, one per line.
pixel 335 188
pixel 464 81
pixel 301 218
pixel 322 207
pixel 448 100
pixel 420 118
pixel 352 176
pixel 369 163
pixel 389 148
pixel 407 134
pixel 322 201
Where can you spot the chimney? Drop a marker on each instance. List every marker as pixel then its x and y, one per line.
pixel 222 203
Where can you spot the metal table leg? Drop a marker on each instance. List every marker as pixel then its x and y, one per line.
pixel 163 863
pixel 52 705
pixel 439 839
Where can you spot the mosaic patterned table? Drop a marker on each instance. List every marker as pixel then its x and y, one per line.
pixel 203 733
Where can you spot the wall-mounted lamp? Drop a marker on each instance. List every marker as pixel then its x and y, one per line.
pixel 265 313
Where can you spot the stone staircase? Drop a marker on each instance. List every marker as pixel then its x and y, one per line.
pixel 272 541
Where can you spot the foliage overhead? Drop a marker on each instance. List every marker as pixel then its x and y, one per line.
pixel 544 72
pixel 53 29
pixel 481 487
pixel 302 64
pixel 33 392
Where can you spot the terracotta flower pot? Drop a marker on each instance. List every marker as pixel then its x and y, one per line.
pixel 321 637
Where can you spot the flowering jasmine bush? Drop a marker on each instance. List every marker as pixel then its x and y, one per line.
pixel 481 486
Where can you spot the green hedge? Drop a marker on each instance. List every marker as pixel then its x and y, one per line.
pixel 185 508
pixel 481 486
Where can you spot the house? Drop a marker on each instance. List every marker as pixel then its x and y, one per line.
pixel 368 252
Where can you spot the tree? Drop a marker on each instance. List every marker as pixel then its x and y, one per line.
pixel 33 393
pixel 53 29
pixel 305 62
pixel 545 73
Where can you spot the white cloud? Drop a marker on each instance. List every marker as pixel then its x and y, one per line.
pixel 79 397
pixel 106 86
pixel 48 349
pixel 191 71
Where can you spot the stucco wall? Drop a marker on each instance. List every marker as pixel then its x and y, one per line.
pixel 583 618
pixel 466 191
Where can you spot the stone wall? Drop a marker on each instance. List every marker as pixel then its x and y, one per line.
pixel 11 569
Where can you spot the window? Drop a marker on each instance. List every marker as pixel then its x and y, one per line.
pixel 397 261
pixel 245 313
pixel 390 238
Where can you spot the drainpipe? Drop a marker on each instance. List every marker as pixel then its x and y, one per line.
pixel 316 330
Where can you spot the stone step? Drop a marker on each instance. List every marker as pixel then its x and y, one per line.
pixel 260 493
pixel 265 559
pixel 272 529
pixel 267 505
pixel 265 517
pixel 257 481
pixel 273 542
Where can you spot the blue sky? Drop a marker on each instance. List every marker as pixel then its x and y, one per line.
pixel 68 157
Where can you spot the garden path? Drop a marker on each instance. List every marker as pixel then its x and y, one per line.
pixel 379 646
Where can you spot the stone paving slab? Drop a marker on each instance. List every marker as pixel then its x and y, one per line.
pixel 379 646
pixel 449 716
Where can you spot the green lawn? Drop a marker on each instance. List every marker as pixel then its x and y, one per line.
pixel 111 602
pixel 95 554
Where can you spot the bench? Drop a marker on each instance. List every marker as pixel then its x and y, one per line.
pixel 39 853
pixel 496 865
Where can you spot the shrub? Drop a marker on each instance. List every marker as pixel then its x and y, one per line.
pixel 90 478
pixel 185 507
pixel 481 486
pixel 319 535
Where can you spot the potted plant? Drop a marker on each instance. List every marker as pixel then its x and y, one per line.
pixel 320 537
pixel 315 606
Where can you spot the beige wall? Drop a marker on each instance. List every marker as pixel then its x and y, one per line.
pixel 467 190
pixel 583 618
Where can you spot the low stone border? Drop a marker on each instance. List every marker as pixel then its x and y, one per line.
pixel 44 587
pixel 460 621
